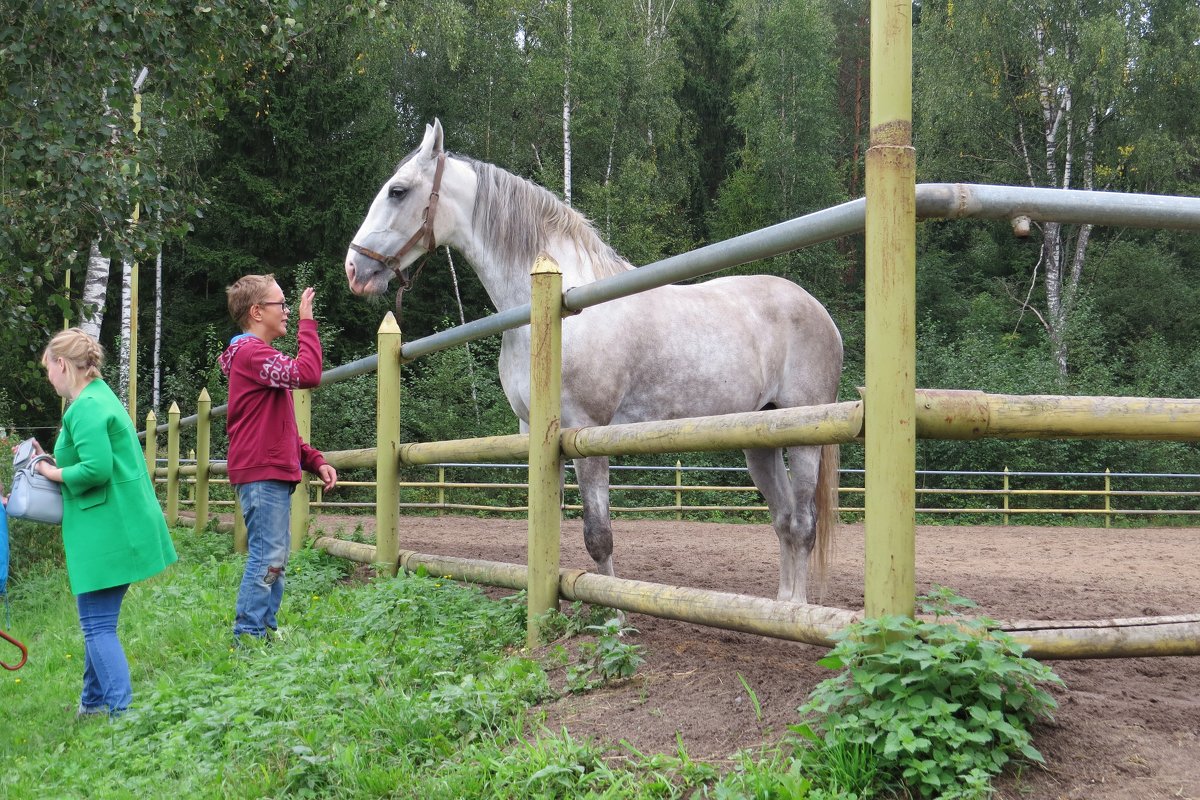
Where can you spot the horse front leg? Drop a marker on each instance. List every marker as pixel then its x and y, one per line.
pixel 592 474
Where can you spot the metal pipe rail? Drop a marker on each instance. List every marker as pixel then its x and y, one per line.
pixel 934 201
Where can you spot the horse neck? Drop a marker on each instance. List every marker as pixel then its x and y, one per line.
pixel 507 281
pixel 502 248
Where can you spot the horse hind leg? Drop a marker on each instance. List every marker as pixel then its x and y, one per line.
pixel 592 474
pixel 790 500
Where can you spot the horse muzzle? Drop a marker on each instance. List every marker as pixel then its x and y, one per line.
pixel 371 283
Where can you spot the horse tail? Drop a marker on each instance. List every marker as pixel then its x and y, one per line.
pixel 826 502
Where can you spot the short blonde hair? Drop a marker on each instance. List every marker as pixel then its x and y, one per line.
pixel 244 293
pixel 82 354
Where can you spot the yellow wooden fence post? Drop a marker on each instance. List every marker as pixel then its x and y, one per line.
pixel 203 446
pixel 151 444
pixel 173 465
pixel 189 487
pixel 387 454
pixel 545 450
pixel 441 494
pixel 890 441
pixel 1107 497
pixel 302 402
pixel 678 492
pixel 1006 488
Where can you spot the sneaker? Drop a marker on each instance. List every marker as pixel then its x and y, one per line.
pixel 90 712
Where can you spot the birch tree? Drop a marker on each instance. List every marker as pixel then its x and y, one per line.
pixel 95 291
pixel 568 46
pixel 1036 94
pixel 70 168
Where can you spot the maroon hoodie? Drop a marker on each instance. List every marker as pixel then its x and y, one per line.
pixel 264 444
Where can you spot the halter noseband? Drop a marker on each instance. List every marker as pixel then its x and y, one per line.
pixel 424 232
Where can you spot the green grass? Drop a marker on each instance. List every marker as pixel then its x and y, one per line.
pixel 414 687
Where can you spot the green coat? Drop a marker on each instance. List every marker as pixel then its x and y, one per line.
pixel 113 528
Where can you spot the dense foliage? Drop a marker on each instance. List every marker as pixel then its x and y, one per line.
pixel 268 127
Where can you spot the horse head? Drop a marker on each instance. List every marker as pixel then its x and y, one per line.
pixel 403 222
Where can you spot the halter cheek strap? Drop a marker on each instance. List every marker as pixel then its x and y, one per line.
pixel 424 232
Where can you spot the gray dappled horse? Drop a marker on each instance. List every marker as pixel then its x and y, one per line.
pixel 728 345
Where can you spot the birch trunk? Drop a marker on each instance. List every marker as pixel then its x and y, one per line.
pixel 158 302
pixel 1055 100
pixel 123 366
pixel 567 106
pixel 95 291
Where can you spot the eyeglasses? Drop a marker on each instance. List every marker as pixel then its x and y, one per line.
pixel 283 306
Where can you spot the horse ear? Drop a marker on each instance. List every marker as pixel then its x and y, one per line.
pixel 431 145
pixel 438 137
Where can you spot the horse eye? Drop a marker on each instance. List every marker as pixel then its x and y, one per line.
pixel 397 192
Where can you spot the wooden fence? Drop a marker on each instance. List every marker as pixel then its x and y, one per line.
pixel 1003 497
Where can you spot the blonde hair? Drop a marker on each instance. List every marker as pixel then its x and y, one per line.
pixel 82 354
pixel 244 293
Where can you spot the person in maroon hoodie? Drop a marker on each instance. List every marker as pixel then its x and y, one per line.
pixel 266 453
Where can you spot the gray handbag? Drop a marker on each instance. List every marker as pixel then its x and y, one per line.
pixel 33 496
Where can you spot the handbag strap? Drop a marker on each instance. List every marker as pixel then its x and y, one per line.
pixel 40 457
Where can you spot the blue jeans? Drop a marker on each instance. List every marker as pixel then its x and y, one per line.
pixel 267 507
pixel 105 668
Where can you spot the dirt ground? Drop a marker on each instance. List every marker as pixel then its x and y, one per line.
pixel 1125 728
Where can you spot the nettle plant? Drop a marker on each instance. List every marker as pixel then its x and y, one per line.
pixel 605 660
pixel 940 708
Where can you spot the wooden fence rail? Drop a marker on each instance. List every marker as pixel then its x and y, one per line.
pixel 990 495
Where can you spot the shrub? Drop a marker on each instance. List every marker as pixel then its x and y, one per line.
pixel 937 705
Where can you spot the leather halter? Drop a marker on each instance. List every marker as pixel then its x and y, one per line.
pixel 424 232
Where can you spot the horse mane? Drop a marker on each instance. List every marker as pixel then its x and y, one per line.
pixel 518 218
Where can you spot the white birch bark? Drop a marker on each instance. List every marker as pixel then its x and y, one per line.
pixel 95 291
pixel 158 303
pixel 567 105
pixel 126 291
pixel 1055 100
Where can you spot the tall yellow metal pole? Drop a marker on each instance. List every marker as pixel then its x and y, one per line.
pixel 151 444
pixel 545 452
pixel 173 465
pixel 890 433
pixel 387 453
pixel 302 402
pixel 203 446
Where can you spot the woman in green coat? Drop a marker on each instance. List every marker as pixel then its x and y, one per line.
pixel 113 528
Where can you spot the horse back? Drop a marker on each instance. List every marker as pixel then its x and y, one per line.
pixel 727 345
